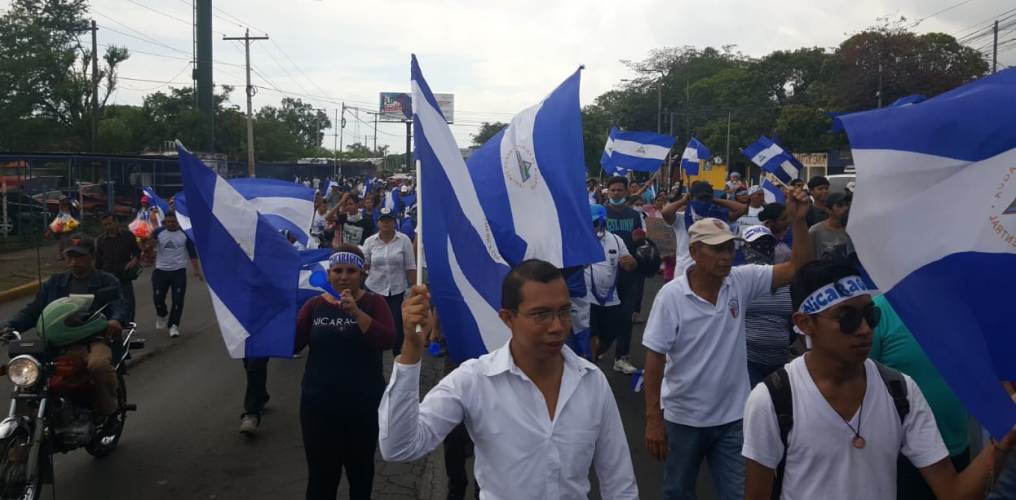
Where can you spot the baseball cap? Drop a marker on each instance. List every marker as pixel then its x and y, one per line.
pixel 741 192
pixel 701 188
pixel 404 188
pixel 80 244
pixel 710 231
pixel 386 213
pixel 754 189
pixel 752 233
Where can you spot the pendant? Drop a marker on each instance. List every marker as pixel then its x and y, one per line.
pixel 858 442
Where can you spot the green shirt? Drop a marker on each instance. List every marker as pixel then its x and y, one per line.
pixel 895 347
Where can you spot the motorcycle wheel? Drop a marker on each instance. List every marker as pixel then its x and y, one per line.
pixel 12 473
pixel 104 444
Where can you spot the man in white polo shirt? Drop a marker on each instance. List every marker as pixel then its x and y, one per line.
pixel 696 376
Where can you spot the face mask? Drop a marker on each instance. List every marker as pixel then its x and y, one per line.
pixel 600 233
pixel 357 217
pixel 616 203
pixel 701 207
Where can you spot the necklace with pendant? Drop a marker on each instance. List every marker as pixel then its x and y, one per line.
pixel 858 441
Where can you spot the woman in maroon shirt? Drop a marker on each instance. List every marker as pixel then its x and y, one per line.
pixel 343 379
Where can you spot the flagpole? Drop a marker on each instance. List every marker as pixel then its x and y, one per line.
pixel 419 225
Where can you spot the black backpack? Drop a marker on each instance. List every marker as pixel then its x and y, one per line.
pixel 778 384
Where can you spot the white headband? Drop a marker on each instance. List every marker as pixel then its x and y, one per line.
pixel 834 293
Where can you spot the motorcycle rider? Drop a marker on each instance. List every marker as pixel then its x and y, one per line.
pixel 82 277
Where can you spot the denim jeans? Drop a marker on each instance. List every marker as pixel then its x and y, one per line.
pixel 1005 487
pixel 687 446
pixel 256 396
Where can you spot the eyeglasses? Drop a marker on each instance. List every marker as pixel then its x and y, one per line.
pixel 544 318
pixel 851 318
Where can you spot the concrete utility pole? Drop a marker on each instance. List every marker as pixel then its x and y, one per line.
pixel 203 71
pixel 250 96
pixel 995 49
pixel 95 85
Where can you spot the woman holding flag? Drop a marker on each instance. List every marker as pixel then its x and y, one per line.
pixel 347 332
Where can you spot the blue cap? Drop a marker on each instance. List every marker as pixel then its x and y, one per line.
pixel 599 212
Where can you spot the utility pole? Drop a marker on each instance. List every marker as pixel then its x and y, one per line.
pixel 879 85
pixel 95 84
pixel 659 107
pixel 727 158
pixel 204 90
pixel 250 96
pixel 375 132
pixel 335 141
pixel 687 113
pixel 995 48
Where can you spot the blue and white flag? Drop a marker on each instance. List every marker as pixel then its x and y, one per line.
pixel 774 159
pixel 531 180
pixel 156 201
pixel 694 153
pixel 934 224
pixel 772 192
pixel 286 205
pixel 251 270
pixel 634 151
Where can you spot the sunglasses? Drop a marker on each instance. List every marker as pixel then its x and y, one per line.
pixel 851 317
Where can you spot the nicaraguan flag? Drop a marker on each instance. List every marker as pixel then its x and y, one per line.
pixel 694 153
pixel 285 205
pixel 774 159
pixel 638 151
pixel 158 202
pixel 530 178
pixel 934 224
pixel 772 192
pixel 251 270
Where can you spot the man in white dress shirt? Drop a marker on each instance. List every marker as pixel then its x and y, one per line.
pixel 539 415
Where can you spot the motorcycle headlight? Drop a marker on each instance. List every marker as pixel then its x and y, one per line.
pixel 24 371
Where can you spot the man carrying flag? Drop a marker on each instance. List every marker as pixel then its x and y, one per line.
pixel 512 399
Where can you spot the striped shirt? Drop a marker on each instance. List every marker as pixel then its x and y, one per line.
pixel 767 328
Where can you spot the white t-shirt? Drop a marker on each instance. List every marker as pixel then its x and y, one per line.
pixel 705 381
pixel 604 274
pixel 821 461
pixel 683 260
pixel 750 218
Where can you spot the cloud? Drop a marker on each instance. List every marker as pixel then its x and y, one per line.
pixel 496 57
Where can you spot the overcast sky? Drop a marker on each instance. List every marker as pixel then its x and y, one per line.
pixel 496 57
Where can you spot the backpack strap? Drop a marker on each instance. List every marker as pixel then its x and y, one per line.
pixel 778 384
pixel 896 384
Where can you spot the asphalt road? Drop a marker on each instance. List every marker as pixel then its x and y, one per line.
pixel 183 442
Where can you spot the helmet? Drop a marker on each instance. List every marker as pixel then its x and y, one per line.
pixel 599 212
pixel 66 320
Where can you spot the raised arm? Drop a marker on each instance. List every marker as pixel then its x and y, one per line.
pixel 669 210
pixel 737 209
pixel 802 252
pixel 409 429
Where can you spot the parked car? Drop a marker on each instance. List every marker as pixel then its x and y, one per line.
pixel 838 183
pixel 24 215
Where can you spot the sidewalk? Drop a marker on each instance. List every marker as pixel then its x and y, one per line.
pixel 22 267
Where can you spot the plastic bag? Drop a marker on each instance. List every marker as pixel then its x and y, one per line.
pixel 63 223
pixel 140 228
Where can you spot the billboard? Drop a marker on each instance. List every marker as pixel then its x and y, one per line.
pixel 398 106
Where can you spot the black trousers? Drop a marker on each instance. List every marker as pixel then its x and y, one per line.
pixel 127 288
pixel 630 285
pixel 610 323
pixel 458 447
pixel 336 441
pixel 164 281
pixel 257 386
pixel 395 304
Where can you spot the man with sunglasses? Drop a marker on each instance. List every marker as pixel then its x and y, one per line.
pixel 539 415
pixel 696 376
pixel 849 418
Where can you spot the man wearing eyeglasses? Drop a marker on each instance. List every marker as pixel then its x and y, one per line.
pixel 539 415
pixel 696 375
pixel 832 423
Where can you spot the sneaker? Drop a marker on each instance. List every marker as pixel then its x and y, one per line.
pixel 174 332
pixel 624 366
pixel 160 322
pixel 249 425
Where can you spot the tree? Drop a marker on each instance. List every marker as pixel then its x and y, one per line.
pixel 905 63
pixel 487 130
pixel 301 119
pixel 45 74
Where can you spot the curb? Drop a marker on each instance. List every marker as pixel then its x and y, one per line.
pixel 19 291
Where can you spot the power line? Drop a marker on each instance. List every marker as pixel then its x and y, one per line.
pixel 951 7
pixel 284 70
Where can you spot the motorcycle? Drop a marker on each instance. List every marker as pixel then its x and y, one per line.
pixel 51 401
